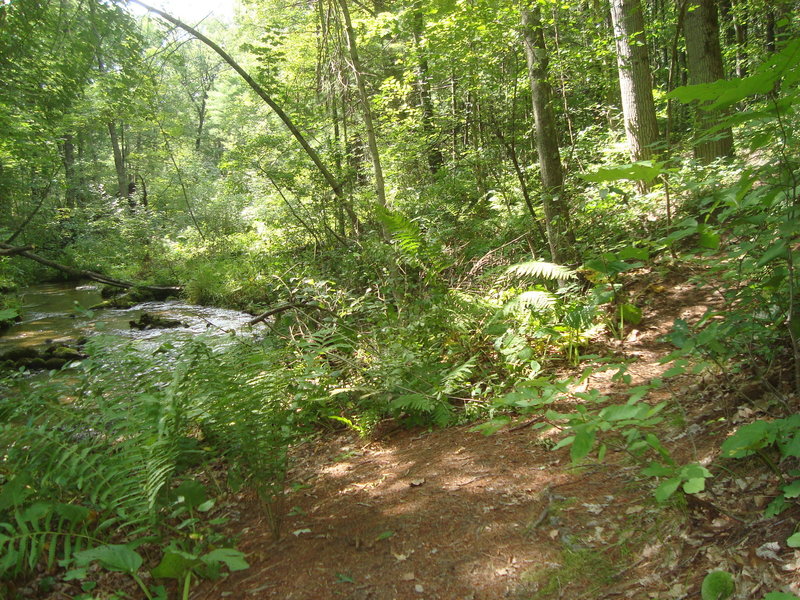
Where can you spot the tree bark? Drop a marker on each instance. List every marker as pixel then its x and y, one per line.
pixel 635 79
pixel 434 154
pixel 704 59
pixel 560 237
pixel 119 161
pixel 372 142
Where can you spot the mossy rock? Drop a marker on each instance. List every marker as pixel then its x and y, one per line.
pixel 54 364
pixel 150 321
pixel 20 354
pixel 64 353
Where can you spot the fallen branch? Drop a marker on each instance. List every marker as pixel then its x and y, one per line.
pixel 15 250
pixel 83 274
pixel 277 310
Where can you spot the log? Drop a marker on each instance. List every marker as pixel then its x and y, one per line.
pixel 276 310
pixel 15 250
pixel 84 274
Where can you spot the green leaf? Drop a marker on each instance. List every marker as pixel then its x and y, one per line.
pixel 717 585
pixel 794 540
pixel 632 252
pixel 8 313
pixel 694 485
pixel 792 490
pixel 582 445
pixel 657 470
pixel 749 438
pixel 493 426
pixel 780 596
pixel 114 557
pixel 630 314
pixel 708 238
pixel 667 488
pixel 385 535
pixel 230 557
pixel 191 493
pixel 174 564
pixel 777 249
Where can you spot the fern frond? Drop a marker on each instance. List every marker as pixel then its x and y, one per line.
pixel 537 300
pixel 456 377
pixel 541 270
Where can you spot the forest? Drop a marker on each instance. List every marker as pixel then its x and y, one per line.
pixel 381 299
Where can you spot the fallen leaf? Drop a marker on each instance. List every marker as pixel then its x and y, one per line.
pixel 407 576
pixel 416 482
pixel 400 557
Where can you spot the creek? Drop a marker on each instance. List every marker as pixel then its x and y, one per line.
pixel 61 313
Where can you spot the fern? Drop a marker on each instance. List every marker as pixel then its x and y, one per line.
pixel 43 532
pixel 541 270
pixel 537 300
pixel 413 245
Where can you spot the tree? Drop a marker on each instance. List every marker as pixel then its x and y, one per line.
pixel 704 58
pixel 560 237
pixel 635 81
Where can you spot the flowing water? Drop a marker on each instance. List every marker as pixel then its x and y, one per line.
pixel 60 312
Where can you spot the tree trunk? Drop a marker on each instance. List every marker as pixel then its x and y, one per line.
pixel 434 154
pixel 70 179
pixel 372 141
pixel 635 80
pixel 560 237
pixel 119 161
pixel 704 59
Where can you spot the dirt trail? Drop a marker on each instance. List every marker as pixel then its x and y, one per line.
pixel 455 515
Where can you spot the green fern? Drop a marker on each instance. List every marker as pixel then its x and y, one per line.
pixel 537 300
pixel 541 270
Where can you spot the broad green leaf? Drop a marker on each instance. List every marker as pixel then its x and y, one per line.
pixel 114 557
pixel 708 238
pixel 630 313
pixel 667 488
pixel 174 564
pixel 632 252
pixel 794 540
pixel 582 445
pixel 493 426
pixel 8 313
pixel 657 470
pixel 192 493
pixel 622 412
pixel 748 439
pixel 694 485
pixel 230 557
pixel 792 490
pixel 780 596
pixel 778 249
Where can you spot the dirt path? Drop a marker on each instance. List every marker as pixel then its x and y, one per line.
pixel 455 515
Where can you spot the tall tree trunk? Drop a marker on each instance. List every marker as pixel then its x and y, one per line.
pixel 560 237
pixel 372 141
pixel 704 59
pixel 635 80
pixel 434 154
pixel 119 161
pixel 70 179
